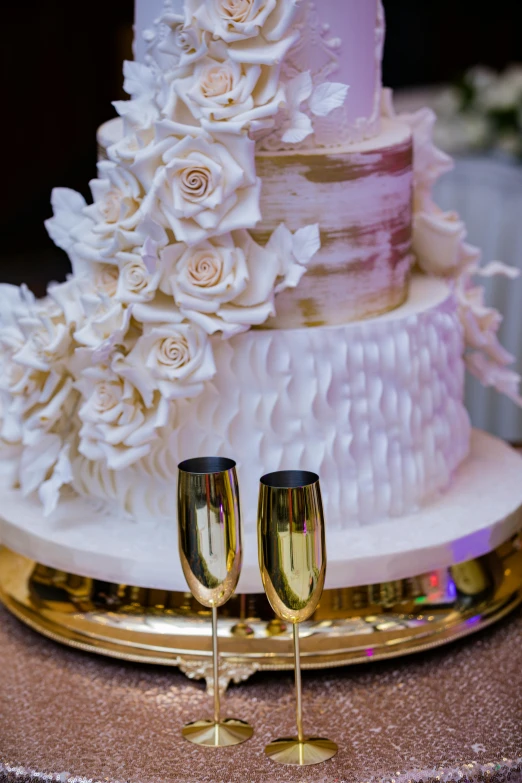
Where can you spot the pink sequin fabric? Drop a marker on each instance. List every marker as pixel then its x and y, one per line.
pixel 454 714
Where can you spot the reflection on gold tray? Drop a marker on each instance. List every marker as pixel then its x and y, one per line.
pixel 351 625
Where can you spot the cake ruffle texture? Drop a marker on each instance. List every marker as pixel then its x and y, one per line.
pixel 375 408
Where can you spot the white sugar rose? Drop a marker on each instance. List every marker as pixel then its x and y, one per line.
pixel 35 341
pixel 33 400
pixel 106 278
pixel 485 357
pixel 480 322
pixel 47 341
pixel 144 85
pixel 69 225
pixel 258 31
pixel 125 150
pixel 47 431
pixel 135 282
pixel 225 284
pixel 116 426
pixel 104 326
pixel 187 44
pixel 35 344
pixel 228 96
pixel 117 198
pixel 439 242
pixel 37 397
pixel 94 233
pixel 205 187
pixel 174 359
pixel 208 274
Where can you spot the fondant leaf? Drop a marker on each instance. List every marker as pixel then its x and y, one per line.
pixel 67 200
pixel 306 243
pixel 326 97
pixel 300 127
pixel 299 89
pixel 139 79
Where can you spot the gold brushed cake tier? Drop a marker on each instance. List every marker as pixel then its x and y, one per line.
pixel 351 625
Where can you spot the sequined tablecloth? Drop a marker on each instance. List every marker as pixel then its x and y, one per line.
pixel 454 714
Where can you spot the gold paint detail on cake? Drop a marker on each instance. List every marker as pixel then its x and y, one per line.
pixel 361 197
pixel 363 267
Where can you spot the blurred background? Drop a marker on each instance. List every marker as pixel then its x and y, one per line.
pixel 60 77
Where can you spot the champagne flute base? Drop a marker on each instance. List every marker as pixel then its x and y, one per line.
pixel 217 735
pixel 301 753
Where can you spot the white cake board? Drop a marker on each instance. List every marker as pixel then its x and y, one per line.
pixel 482 509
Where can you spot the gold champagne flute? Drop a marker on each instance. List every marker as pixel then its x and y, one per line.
pixel 292 560
pixel 209 525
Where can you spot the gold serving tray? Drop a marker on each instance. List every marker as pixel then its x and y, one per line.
pixel 352 625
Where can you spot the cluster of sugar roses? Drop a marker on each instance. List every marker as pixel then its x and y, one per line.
pixel 440 247
pixel 162 259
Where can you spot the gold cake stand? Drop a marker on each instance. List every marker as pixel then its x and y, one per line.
pixel 352 625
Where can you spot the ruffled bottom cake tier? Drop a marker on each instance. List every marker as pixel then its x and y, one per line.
pixel 480 511
pixel 375 408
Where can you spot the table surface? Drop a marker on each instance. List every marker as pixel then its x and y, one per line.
pixel 450 714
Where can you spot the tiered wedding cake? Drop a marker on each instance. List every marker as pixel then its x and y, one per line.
pixel 242 285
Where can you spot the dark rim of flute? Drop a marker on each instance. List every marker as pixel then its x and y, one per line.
pixel 206 465
pixel 289 479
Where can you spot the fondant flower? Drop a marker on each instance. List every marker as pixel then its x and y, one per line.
pixel 225 284
pixel 485 357
pixel 136 282
pixel 258 31
pixel 124 150
pixel 145 86
pixel 69 225
pixel 172 359
pixel 116 426
pixel 439 242
pixel 186 43
pixel 228 96
pixel 36 395
pixel 201 186
pixel 140 272
pixel 47 341
pixel 117 197
pixel 104 326
pixel 105 278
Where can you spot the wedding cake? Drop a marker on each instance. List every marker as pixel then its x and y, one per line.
pixel 262 274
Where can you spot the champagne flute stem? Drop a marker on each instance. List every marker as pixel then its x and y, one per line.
pixel 215 661
pixel 298 687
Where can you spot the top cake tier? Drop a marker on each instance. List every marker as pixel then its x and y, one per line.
pixel 340 41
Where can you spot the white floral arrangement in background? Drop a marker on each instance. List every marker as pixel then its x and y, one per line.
pixel 162 259
pixel 441 250
pixel 482 111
